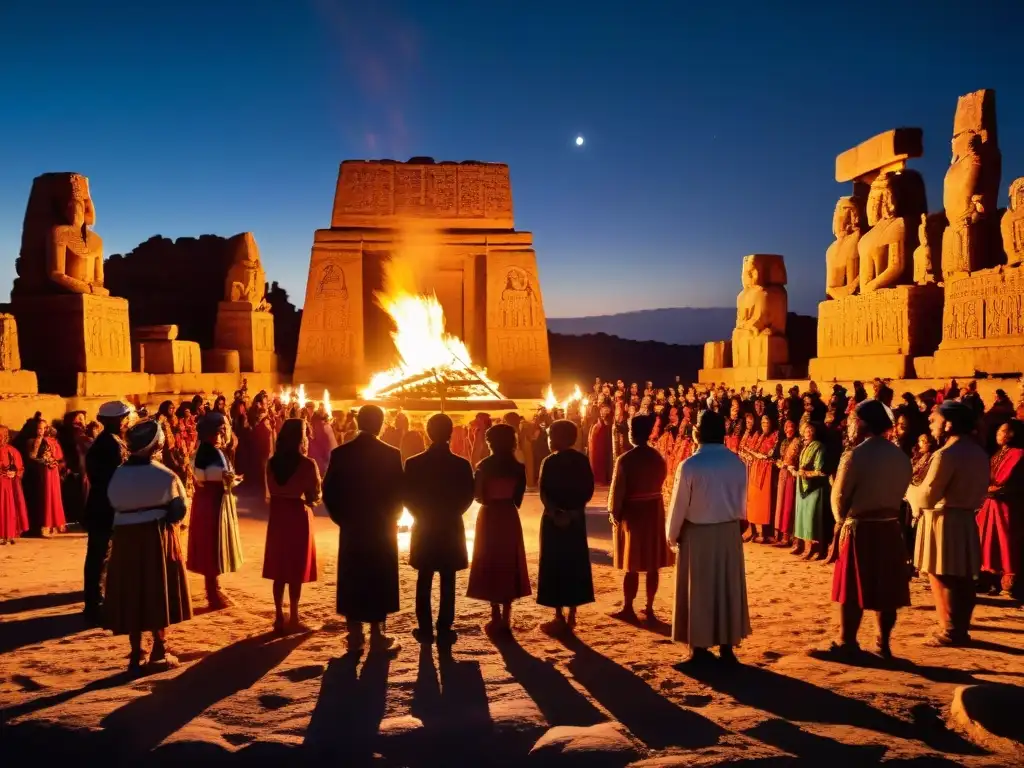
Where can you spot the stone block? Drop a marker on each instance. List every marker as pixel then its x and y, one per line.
pixel 18 383
pixel 517 338
pixel 744 376
pixel 769 352
pixel 221 361
pixel 889 150
pixel 250 332
pixel 983 324
pixel 125 384
pixel 170 357
pixel 64 335
pixel 10 354
pixel 718 354
pixel 155 332
pixel 878 333
pixel 331 340
pixel 373 193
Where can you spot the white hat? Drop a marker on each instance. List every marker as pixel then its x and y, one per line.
pixel 115 409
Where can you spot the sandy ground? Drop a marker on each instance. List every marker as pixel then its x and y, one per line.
pixel 244 697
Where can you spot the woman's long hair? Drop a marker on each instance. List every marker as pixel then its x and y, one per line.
pixel 290 448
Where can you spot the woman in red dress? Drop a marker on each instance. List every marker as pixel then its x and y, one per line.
pixel 1001 517
pixel 262 436
pixel 785 495
pixel 42 457
pixel 13 512
pixel 213 542
pixel 498 573
pixel 290 553
pixel 734 427
pixel 762 481
pixel 599 447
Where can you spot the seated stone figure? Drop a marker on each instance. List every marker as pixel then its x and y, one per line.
pixel 1012 225
pixel 59 253
pixel 761 309
pixel 883 248
pixel 842 261
pixel 246 281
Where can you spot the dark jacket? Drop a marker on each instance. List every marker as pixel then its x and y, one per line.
pixel 438 491
pixel 363 492
pixel 104 456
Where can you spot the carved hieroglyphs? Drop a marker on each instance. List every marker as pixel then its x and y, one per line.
pixel 484 273
pixel 758 350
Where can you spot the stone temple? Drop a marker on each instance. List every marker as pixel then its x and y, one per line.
pixel 484 274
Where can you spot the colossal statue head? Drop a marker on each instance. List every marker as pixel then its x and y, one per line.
pixel 1017 194
pixel 763 269
pixel 881 200
pixel 244 250
pixel 848 216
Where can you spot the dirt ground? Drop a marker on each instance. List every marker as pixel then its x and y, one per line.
pixel 242 696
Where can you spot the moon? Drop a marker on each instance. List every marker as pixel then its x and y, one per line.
pixel 579 141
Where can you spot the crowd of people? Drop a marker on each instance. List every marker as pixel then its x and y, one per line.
pixel 692 473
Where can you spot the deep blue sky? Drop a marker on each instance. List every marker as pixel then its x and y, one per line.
pixel 710 133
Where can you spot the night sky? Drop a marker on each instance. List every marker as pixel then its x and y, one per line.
pixel 710 133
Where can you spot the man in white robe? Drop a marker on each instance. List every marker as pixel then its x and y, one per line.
pixel 709 500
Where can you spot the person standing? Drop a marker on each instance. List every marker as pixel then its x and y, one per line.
pixel 809 528
pixel 214 546
pixel 363 493
pixel 948 546
pixel 707 509
pixel 498 574
pixel 1001 518
pixel 599 445
pixel 438 491
pixel 871 571
pixel 13 512
pixel 147 587
pixel 105 455
pixel 564 579
pixel 637 510
pixel 289 556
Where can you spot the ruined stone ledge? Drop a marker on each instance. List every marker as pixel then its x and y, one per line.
pixel 113 384
pixel 743 377
pixel 886 150
pixel 861 367
pixel 18 383
pixel 991 357
pixel 355 236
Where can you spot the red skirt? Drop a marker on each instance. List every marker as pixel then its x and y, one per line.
pixel 638 541
pixel 13 512
pixel 872 571
pixel 498 573
pixel 785 503
pixel 1002 537
pixel 290 552
pixel 52 513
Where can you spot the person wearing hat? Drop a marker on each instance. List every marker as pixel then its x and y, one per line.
pixel 214 546
pixel 871 570
pixel 147 587
pixel 948 546
pixel 104 456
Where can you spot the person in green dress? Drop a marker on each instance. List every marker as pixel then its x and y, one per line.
pixel 812 498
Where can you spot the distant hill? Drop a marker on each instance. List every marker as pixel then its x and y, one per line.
pixel 678 325
pixel 581 359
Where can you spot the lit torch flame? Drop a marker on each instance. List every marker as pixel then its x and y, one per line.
pixel 327 404
pixel 286 396
pixel 300 396
pixel 549 398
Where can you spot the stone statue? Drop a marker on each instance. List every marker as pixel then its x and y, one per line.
pixel 761 308
pixel 842 261
pixel 968 192
pixel 246 281
pixel 883 249
pixel 59 253
pixel 924 265
pixel 1012 225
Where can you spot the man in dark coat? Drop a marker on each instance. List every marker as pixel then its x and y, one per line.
pixel 438 491
pixel 104 456
pixel 363 492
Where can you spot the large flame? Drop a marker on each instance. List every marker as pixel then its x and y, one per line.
pixel 427 355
